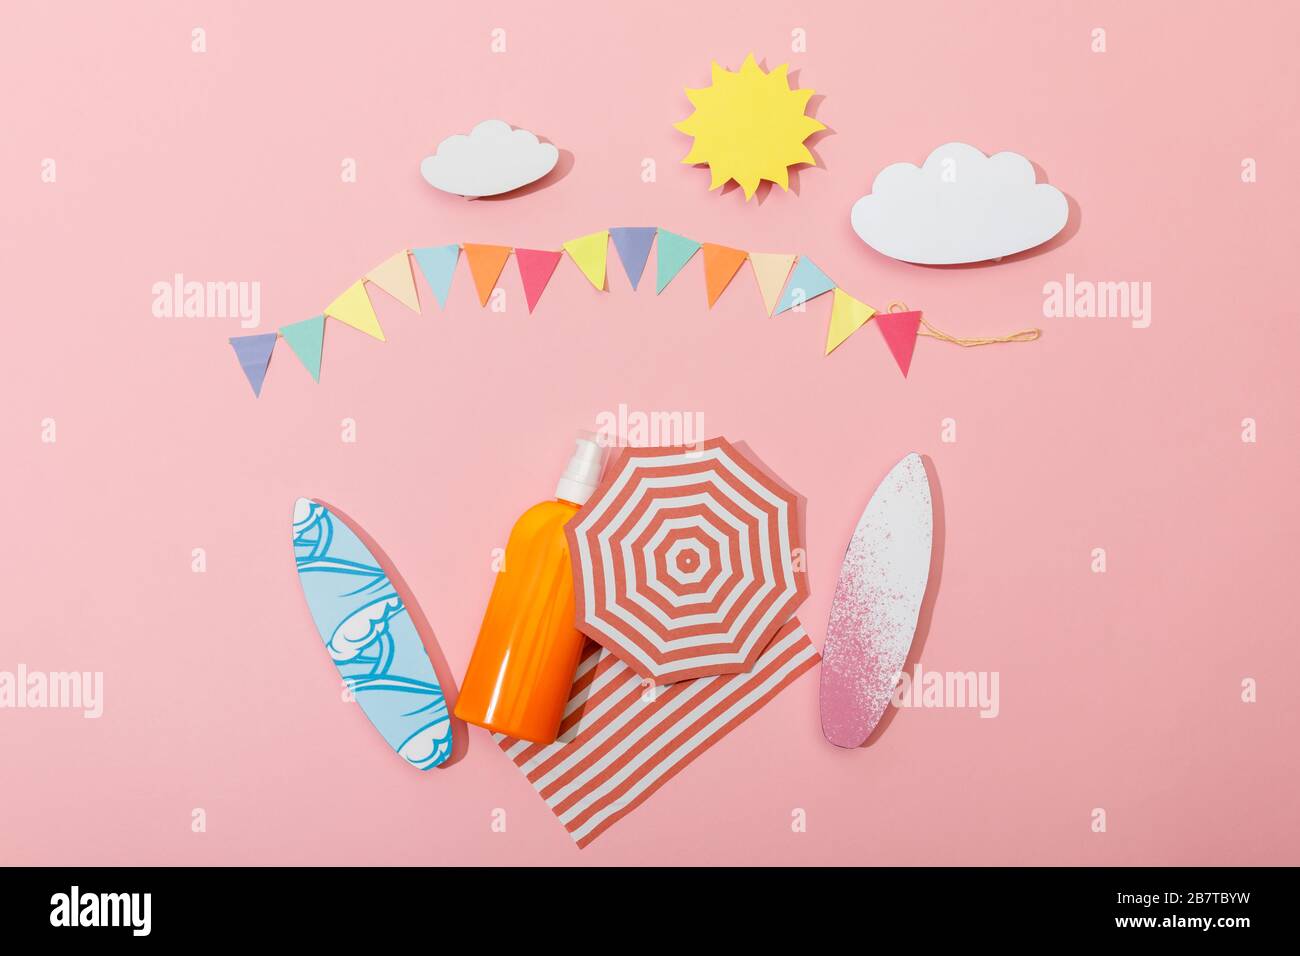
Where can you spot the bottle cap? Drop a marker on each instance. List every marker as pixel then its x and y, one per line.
pixel 582 474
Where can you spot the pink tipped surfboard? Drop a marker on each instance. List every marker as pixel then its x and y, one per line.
pixel 876 604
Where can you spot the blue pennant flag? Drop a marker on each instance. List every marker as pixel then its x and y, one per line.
pixel 254 354
pixel 806 282
pixel 633 245
pixel 438 264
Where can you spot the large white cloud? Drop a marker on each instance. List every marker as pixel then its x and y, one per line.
pixel 959 206
pixel 492 159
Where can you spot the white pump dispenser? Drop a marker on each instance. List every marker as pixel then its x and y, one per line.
pixel 582 473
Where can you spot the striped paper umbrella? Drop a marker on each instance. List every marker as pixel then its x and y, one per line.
pixel 686 561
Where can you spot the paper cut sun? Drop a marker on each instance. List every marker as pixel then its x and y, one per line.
pixel 749 126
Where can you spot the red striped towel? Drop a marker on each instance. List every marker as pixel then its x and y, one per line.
pixel 622 739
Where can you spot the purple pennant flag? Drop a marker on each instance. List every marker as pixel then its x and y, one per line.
pixel 633 245
pixel 254 354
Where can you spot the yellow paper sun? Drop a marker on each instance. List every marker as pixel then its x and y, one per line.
pixel 749 126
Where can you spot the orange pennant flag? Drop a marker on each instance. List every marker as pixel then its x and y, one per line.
pixel 720 264
pixel 485 265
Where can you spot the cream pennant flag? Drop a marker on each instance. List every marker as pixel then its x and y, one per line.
pixel 771 269
pixel 353 308
pixel 847 316
pixel 590 253
pixel 394 276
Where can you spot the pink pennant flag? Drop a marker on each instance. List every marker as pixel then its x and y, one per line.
pixel 899 330
pixel 536 266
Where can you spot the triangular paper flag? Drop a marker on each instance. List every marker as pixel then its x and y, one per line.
pixel 899 330
pixel 393 275
pixel 438 263
pixel 254 354
pixel 535 269
pixel 590 253
pixel 771 269
pixel 720 264
pixel 353 308
pixel 633 245
pixel 847 316
pixel 306 338
pixel 806 282
pixel 674 252
pixel 485 265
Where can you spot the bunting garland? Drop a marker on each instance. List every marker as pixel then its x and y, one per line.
pixel 254 355
pixel 771 270
pixel 536 267
pixel 590 253
pixel 353 308
pixel 899 330
pixel 633 244
pixel 307 339
pixel 785 282
pixel 485 265
pixel 439 266
pixel 847 316
pixel 720 264
pixel 806 282
pixel 674 252
pixel 393 275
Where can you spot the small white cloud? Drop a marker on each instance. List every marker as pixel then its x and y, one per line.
pixel 492 159
pixel 960 206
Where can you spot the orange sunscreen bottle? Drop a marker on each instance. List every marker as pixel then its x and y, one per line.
pixel 521 672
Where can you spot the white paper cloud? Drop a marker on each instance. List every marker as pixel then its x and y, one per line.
pixel 960 206
pixel 492 159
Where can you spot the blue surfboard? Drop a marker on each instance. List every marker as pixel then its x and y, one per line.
pixel 369 635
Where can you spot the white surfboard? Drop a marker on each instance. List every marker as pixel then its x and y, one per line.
pixel 876 604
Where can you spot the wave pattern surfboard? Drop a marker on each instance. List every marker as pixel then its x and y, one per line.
pixel 369 634
pixel 876 604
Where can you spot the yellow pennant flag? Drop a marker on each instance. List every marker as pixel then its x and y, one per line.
pixel 353 308
pixel 393 275
pixel 590 252
pixel 847 316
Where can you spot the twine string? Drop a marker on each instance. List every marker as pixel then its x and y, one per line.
pixel 929 331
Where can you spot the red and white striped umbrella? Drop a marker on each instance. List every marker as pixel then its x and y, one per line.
pixel 686 561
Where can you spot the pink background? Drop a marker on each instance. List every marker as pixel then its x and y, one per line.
pixel 1118 690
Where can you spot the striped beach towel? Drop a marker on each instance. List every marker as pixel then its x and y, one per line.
pixel 622 738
